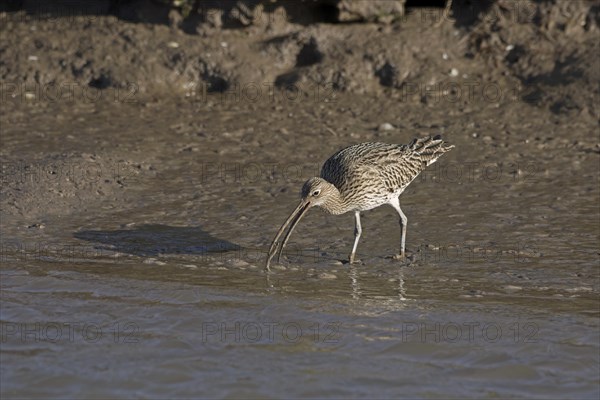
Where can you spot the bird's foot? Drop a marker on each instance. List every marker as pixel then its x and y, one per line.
pixel 352 260
pixel 403 257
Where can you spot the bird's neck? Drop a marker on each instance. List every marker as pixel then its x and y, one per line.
pixel 335 203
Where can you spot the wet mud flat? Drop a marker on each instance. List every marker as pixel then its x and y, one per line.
pixel 133 253
pixel 146 164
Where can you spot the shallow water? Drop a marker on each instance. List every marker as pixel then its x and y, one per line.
pixel 152 284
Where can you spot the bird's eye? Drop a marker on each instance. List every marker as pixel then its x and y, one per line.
pixel 316 192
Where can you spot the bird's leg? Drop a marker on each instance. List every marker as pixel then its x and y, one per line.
pixel 357 233
pixel 403 223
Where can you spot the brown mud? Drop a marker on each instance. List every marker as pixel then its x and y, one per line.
pixel 146 165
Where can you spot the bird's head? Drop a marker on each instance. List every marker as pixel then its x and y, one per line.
pixel 315 192
pixel 318 192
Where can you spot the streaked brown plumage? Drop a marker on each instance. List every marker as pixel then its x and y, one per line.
pixel 362 177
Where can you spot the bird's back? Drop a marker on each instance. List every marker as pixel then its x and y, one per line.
pixel 367 174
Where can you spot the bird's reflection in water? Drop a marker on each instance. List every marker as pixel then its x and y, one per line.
pixel 355 284
pixel 365 283
pixel 401 288
pixel 268 282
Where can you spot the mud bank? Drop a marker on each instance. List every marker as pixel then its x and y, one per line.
pixel 147 165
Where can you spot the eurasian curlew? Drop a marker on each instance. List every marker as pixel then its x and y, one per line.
pixel 362 177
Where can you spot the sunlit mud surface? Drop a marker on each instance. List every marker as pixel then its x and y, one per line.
pixel 134 237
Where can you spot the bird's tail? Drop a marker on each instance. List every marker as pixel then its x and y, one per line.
pixel 429 148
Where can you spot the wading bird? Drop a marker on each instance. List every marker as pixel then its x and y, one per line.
pixel 362 177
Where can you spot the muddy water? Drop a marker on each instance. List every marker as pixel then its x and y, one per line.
pixel 134 236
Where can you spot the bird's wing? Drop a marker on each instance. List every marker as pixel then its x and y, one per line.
pixel 393 167
pixel 397 173
pixel 383 166
pixel 377 165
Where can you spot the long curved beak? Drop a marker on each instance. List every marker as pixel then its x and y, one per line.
pixel 294 218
